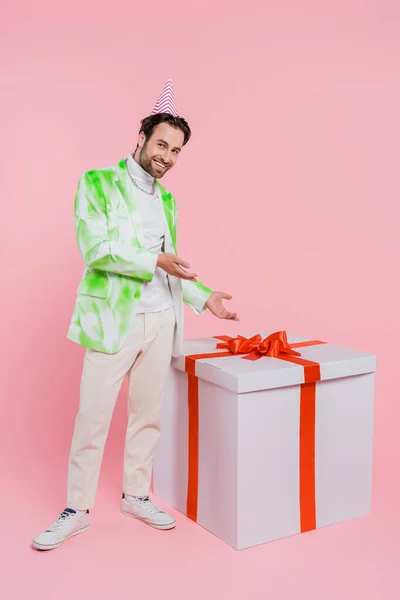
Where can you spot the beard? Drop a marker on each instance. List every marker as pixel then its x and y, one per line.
pixel 147 163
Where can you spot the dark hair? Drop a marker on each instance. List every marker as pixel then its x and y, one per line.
pixel 149 123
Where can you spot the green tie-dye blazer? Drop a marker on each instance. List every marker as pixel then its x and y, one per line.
pixel 110 238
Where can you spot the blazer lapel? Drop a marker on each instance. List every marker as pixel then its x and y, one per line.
pixel 125 186
pixel 168 210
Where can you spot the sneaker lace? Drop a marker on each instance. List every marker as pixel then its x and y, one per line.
pixel 59 523
pixel 148 505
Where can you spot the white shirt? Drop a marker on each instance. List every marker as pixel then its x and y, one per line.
pixel 156 294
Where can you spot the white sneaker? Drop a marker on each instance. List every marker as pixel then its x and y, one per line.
pixel 144 509
pixel 67 525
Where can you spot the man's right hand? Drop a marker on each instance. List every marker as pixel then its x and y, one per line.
pixel 175 266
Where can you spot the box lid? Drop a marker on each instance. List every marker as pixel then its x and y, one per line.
pixel 239 375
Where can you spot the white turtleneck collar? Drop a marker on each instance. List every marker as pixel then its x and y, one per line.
pixel 138 172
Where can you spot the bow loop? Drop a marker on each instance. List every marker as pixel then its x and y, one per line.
pixel 255 347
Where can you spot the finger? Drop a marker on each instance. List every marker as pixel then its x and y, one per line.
pixel 226 296
pixel 184 274
pixel 181 262
pixel 189 276
pixel 232 316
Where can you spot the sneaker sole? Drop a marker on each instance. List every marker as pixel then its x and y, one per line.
pixel 154 525
pixel 53 546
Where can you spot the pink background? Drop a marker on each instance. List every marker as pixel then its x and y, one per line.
pixel 288 196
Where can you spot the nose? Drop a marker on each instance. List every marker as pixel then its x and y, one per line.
pixel 166 155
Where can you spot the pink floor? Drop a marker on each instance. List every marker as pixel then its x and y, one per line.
pixel 120 558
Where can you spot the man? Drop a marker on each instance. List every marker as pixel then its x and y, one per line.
pixel 129 316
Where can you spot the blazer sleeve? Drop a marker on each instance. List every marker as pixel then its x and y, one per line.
pixel 195 293
pixel 95 240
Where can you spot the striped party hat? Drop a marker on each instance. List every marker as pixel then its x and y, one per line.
pixel 166 102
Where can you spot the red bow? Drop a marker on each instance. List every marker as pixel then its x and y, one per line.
pixel 255 347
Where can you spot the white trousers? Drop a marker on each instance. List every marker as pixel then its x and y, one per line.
pixel 146 358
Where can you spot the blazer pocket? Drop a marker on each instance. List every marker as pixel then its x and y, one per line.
pixel 94 283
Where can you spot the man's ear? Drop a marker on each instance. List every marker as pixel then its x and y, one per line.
pixel 141 140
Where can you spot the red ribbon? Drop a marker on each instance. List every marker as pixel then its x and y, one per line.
pixel 255 347
pixel 275 346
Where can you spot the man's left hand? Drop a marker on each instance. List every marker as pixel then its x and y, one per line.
pixel 214 305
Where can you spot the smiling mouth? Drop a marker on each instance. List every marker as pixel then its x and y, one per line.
pixel 160 165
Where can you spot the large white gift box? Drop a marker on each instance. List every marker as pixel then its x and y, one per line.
pixel 258 443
